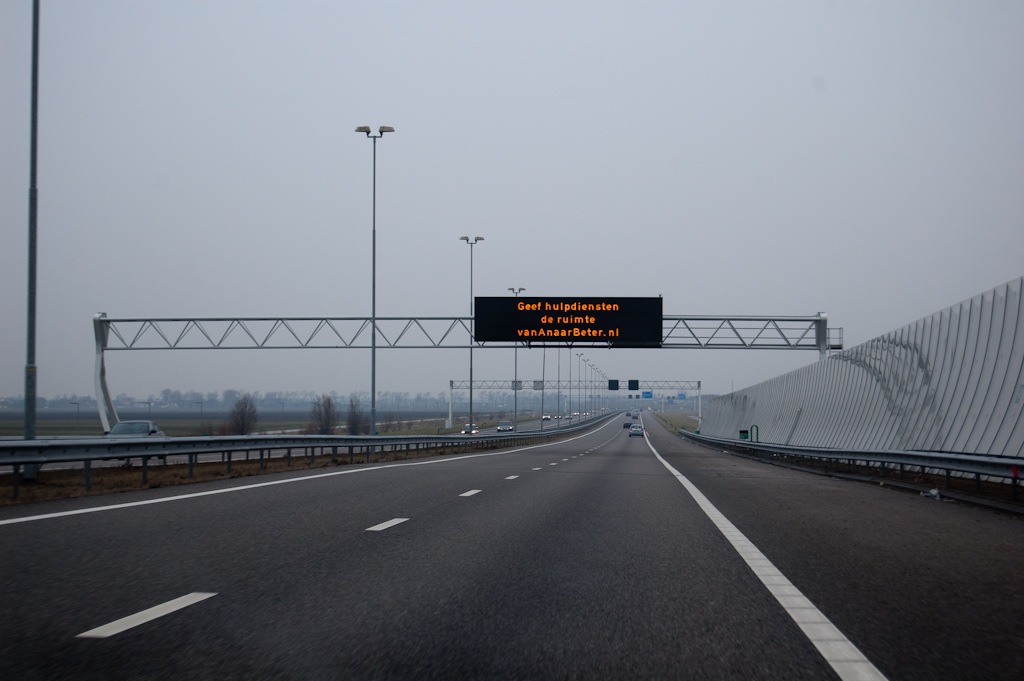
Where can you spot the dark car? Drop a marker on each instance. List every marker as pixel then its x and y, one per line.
pixel 470 429
pixel 505 427
pixel 134 429
pixel 636 429
pixel 627 424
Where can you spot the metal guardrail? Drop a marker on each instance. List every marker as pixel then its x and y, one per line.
pixel 20 453
pixel 1007 468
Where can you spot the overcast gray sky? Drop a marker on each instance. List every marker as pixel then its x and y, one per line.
pixel 198 158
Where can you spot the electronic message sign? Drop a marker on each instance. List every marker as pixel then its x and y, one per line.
pixel 620 322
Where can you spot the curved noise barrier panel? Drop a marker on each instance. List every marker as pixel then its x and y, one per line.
pixel 950 382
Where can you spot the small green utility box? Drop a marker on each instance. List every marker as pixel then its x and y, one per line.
pixel 744 434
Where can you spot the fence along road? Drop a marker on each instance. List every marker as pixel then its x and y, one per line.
pixel 580 558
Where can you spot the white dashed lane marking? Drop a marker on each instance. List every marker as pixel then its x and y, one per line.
pixel 538 469
pixel 471 492
pixel 148 615
pixel 513 477
pixel 552 464
pixel 386 525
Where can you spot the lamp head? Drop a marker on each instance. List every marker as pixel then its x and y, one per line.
pixel 363 128
pixel 464 238
pixel 385 128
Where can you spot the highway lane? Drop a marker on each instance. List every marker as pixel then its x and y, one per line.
pixel 600 565
pixel 926 589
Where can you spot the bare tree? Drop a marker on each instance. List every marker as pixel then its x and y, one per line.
pixel 389 421
pixel 243 417
pixel 355 417
pixel 323 417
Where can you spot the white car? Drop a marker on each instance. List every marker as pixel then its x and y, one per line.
pixel 545 417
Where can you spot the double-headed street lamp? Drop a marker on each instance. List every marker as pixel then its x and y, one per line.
pixel 373 279
pixel 472 323
pixel 515 380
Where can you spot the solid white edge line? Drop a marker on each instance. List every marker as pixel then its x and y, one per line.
pixel 386 525
pixel 317 476
pixel 845 658
pixel 471 492
pixel 125 623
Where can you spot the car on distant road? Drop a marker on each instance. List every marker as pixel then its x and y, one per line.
pixel 545 417
pixel 505 427
pixel 636 429
pixel 470 429
pixel 134 429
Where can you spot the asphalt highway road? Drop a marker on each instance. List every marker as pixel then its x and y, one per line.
pixel 586 558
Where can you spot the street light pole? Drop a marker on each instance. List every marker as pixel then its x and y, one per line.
pixel 515 375
pixel 30 344
pixel 579 383
pixel 373 279
pixel 472 322
pixel 558 383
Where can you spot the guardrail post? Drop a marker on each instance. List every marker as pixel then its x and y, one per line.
pixel 145 469
pixel 312 456
pixel 88 474
pixel 262 465
pixel 351 458
pixel 334 453
pixel 229 463
pixel 288 455
pixel 947 478
pixel 977 482
pixel 15 479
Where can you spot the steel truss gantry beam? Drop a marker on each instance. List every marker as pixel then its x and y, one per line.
pixel 248 333
pixel 585 384
pixel 293 333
